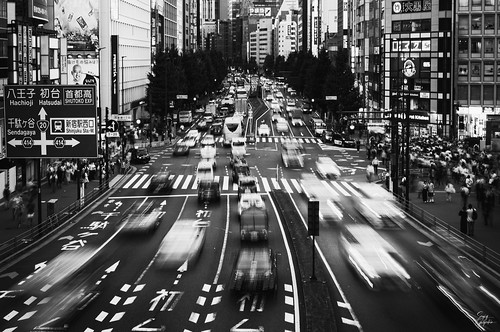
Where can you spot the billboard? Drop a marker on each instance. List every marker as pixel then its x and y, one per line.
pixel 83 71
pixel 38 10
pixel 50 121
pixel 78 21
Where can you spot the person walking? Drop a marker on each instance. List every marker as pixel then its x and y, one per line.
pixel 463 219
pixel 6 196
pixel 449 189
pixel 420 187
pixel 489 203
pixel 425 191
pixel 471 219
pixel 358 145
pixel 430 192
pixel 369 172
pixel 464 192
pixel 375 163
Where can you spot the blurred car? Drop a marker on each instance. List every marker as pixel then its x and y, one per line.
pixel 239 170
pixel 282 126
pixel 380 213
pixel 292 144
pixel 315 189
pixel 218 121
pixel 182 245
pixel 276 117
pixel 275 106
pixel 290 102
pixel 466 285
pixel 142 220
pixel 246 184
pixel 208 140
pixel 292 158
pixel 208 152
pixel 202 125
pixel 337 139
pixel 376 262
pixel 208 191
pixel 181 148
pixel 161 182
pixel 348 142
pixel 205 170
pixel 238 146
pixel 327 168
pixel 269 97
pixel 216 129
pixel 318 126
pixel 297 120
pixel 254 224
pixel 139 155
pixel 248 200
pixel 208 117
pixel 237 160
pixel 327 136
pixel 255 269
pixel 191 138
pixel 264 130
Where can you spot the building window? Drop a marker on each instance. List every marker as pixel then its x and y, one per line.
pixel 463 45
pixel 489 49
pixel 488 94
pixel 475 94
pixel 477 22
pixel 489 23
pixel 463 24
pixel 462 93
pixel 463 4
pixel 475 46
pixel 476 3
pixel 498 93
pixel 475 69
pixel 489 3
pixel 489 69
pixel 463 69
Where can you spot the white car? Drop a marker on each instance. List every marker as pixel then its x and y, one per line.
pixel 314 188
pixel 276 117
pixel 208 140
pixel 205 170
pixel 292 158
pixel 269 97
pixel 327 168
pixel 264 130
pixel 297 121
pixel 191 138
pixel 248 200
pixel 238 146
pixel 208 152
pixel 282 126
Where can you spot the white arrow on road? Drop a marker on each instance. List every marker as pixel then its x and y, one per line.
pixel 426 244
pixel 140 328
pixel 112 268
pixel 242 301
pixel 243 321
pixel 183 267
pixel 68 237
pixel 40 266
pixel 11 275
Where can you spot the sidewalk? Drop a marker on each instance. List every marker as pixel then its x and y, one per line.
pixel 487 235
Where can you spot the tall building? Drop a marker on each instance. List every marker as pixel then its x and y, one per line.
pixel 261 41
pixel 286 40
pixel 477 92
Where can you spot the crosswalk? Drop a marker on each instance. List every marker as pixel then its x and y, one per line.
pixel 280 139
pixel 181 183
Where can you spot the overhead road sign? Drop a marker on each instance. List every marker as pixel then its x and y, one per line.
pixel 121 117
pixel 182 96
pixel 50 121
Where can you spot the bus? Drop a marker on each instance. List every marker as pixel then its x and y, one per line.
pixel 233 127
pixel 241 93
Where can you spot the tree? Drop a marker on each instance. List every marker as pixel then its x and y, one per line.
pixel 268 65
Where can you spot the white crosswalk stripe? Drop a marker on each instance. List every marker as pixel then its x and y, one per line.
pixel 264 184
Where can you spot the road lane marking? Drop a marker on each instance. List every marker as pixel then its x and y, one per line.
pixel 286 185
pixel 134 178
pixel 138 183
pixel 225 183
pixel 275 183
pixel 224 245
pixel 296 184
pixel 177 182
pixel 339 188
pixel 186 182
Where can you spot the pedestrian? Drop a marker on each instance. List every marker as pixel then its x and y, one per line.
pixel 6 196
pixel 471 219
pixel 420 187
pixel 463 219
pixel 369 172
pixel 449 189
pixel 489 202
pixel 358 145
pixel 387 181
pixel 464 192
pixel 30 211
pixel 383 156
pixel 430 192
pixel 425 191
pixel 375 163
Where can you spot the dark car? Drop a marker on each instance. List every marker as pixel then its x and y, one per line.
pixel 349 142
pixel 139 155
pixel 161 182
pixel 216 129
pixel 146 221
pixel 327 136
pixel 337 139
pixel 246 184
pixel 254 270
pixel 181 149
pixel 240 170
pixel 208 191
pixel 202 125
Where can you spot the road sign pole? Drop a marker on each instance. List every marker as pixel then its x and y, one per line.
pixel 106 155
pixel 313 274
pixel 39 188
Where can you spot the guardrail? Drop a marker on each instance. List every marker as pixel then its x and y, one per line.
pixel 467 244
pixel 21 243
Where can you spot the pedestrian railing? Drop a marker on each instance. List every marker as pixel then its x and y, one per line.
pixel 14 247
pixel 453 236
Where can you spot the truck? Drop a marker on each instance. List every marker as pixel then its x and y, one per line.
pixel 185 117
pixel 240 106
pixel 211 108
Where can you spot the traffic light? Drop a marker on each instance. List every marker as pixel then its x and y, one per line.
pixel 313 218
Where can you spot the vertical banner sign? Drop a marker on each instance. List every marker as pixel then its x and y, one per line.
pixel 50 121
pixel 114 74
pixel 20 64
pixel 30 55
pixel 25 55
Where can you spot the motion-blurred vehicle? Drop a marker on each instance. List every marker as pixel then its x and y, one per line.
pixel 216 129
pixel 376 262
pixel 143 219
pixel 254 224
pixel 292 158
pixel 239 170
pixel 327 168
pixel 318 126
pixel 264 130
pixel 248 200
pixel 327 136
pixel 255 269
pixel 467 286
pixel 202 125
pixel 208 140
pixel 246 184
pixel 297 120
pixel 191 138
pixel 181 148
pixel 315 189
pixel 276 117
pixel 139 155
pixel 205 170
pixel 348 141
pixel 161 182
pixel 238 146
pixel 282 126
pixel 292 144
pixel 208 191
pixel 182 245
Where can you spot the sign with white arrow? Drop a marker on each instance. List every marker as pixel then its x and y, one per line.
pixel 50 121
pixel 237 327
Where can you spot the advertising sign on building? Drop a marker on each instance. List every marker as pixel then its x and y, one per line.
pixel 78 21
pixel 50 121
pixel 38 10
pixel 83 71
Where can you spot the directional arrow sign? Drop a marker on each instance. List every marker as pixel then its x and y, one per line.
pixel 112 268
pixel 40 266
pixel 237 328
pixel 141 328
